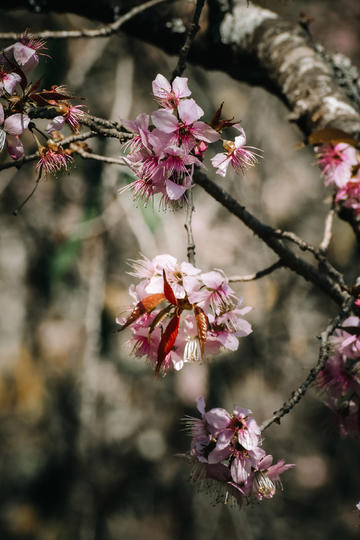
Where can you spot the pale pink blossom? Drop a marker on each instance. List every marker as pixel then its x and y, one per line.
pixel 222 451
pixel 52 159
pixel 56 124
pixel 8 81
pixel 13 126
pixel 339 380
pixel 237 154
pixel 169 95
pixel 349 195
pixel 186 129
pixel 179 330
pixel 22 55
pixel 336 162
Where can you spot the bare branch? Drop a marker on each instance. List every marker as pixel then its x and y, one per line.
pixel 323 356
pixel 191 33
pixel 32 157
pixel 327 281
pixel 257 275
pixel 328 228
pixel 188 227
pixel 103 31
pixel 98 157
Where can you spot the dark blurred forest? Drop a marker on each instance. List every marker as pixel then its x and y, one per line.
pixel 88 438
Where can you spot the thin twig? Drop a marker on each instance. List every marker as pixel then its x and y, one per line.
pixel 257 275
pixel 188 227
pixel 32 157
pixel 323 356
pixel 302 244
pixel 190 35
pixel 110 131
pixel 327 281
pixel 103 31
pixel 98 157
pixel 28 197
pixel 328 228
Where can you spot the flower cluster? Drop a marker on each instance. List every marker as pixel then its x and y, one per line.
pixel 340 166
pixel 18 95
pixel 340 378
pixel 181 314
pixel 227 448
pixel 164 150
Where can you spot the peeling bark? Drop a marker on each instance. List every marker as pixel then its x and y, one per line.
pixel 251 44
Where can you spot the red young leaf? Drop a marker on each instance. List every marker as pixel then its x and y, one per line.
pixel 152 301
pixel 145 306
pixel 202 325
pixel 169 293
pixel 167 341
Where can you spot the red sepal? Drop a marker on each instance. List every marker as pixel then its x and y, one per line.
pixel 169 293
pixel 167 341
pixel 202 325
pixel 146 305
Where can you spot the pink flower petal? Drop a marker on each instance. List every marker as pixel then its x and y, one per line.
pixel 189 111
pixel 248 439
pixel 25 56
pixel 161 86
pixel 15 147
pixel 200 404
pixel 221 163
pixel 1 114
pixel 174 191
pixel 56 124
pixel 164 120
pixel 10 81
pixel 16 123
pixel 227 340
pixel 180 87
pixel 218 419
pixel 213 279
pixel 240 470
pixel 204 132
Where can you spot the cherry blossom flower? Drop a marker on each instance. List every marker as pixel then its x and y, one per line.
pixel 13 126
pixel 169 95
pixel 71 114
pixel 165 150
pixel 8 81
pixel 52 159
pixel 340 378
pixel 237 153
pixel 226 448
pixel 349 195
pixel 170 329
pixel 336 162
pixel 22 55
pixel 186 129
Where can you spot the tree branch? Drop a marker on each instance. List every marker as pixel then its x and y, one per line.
pixel 322 279
pixel 191 33
pixel 104 31
pixel 323 356
pixel 257 275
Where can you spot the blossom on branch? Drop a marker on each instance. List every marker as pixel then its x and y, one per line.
pixel 165 149
pixel 180 314
pixel 340 166
pixel 52 159
pixel 237 154
pixel 227 447
pixel 340 378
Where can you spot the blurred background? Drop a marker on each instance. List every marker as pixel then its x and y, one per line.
pixel 88 437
